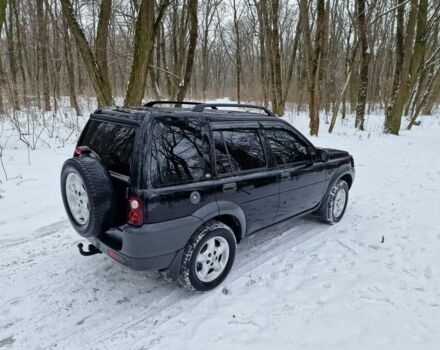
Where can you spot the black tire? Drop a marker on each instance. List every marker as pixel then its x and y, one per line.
pixel 188 276
pixel 100 192
pixel 326 214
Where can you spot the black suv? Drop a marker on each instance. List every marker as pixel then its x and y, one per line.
pixel 174 189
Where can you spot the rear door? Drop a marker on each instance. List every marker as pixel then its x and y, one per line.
pixel 302 182
pixel 113 143
pixel 242 173
pixel 178 168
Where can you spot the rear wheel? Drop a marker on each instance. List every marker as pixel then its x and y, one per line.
pixel 208 257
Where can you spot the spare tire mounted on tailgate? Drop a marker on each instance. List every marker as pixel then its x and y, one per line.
pixel 88 195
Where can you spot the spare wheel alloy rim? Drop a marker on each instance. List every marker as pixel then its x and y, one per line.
pixel 212 259
pixel 77 198
pixel 339 204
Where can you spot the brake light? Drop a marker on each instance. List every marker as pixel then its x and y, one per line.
pixel 135 211
pixel 80 150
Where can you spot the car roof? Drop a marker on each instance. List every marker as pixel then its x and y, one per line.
pixel 137 114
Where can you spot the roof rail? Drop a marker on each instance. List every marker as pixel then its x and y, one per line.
pixel 170 102
pixel 200 107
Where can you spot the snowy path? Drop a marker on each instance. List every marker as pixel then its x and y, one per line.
pixel 300 284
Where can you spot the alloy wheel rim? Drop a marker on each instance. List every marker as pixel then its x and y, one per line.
pixel 339 203
pixel 212 259
pixel 77 198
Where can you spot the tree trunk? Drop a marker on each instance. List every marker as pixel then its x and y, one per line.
pixel 412 57
pixel 279 107
pixel 19 48
pixel 268 39
pixel 192 12
pixel 292 61
pixel 102 90
pixel 42 48
pixel 365 59
pixel 210 10
pixel 145 33
pixel 237 54
pixel 164 60
pixel 12 61
pixel 433 89
pixel 313 59
pixel 2 71
pixel 263 54
pixel 432 97
pixel 68 57
pixel 102 38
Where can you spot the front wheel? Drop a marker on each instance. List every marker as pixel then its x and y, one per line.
pixel 334 208
pixel 208 257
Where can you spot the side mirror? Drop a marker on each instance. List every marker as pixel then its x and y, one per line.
pixel 322 155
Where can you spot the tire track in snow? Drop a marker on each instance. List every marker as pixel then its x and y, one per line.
pixel 252 252
pixel 41 232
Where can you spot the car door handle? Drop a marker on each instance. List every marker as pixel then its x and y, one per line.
pixel 285 176
pixel 230 187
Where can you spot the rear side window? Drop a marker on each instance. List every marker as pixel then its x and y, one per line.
pixel 176 153
pixel 238 150
pixel 112 142
pixel 286 147
pixel 222 163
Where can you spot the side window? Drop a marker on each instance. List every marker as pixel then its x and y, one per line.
pixel 222 163
pixel 176 153
pixel 286 147
pixel 238 150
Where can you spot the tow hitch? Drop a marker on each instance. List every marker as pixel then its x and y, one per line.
pixel 92 250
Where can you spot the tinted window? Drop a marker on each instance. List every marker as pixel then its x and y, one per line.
pixel 244 149
pixel 286 148
pixel 112 142
pixel 176 153
pixel 221 154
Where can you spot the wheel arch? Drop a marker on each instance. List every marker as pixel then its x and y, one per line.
pixel 348 178
pixel 344 173
pixel 227 212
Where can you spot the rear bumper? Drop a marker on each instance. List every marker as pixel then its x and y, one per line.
pixel 148 247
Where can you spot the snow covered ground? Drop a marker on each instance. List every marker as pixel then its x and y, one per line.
pixel 299 285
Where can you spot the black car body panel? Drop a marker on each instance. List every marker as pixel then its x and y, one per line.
pixel 214 180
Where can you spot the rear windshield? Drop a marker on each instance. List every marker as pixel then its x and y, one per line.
pixel 112 142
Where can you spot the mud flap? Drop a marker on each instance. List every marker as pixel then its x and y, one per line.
pixel 171 273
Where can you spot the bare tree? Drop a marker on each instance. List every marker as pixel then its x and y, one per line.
pixel 314 57
pixel 365 59
pixel 192 12
pixel 100 86
pixel 147 24
pixel 412 58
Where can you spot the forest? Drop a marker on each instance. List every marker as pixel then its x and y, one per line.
pixel 359 79
pixel 325 57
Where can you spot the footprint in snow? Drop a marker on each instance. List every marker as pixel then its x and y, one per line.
pixel 7 341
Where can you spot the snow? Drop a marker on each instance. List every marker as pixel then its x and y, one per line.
pixel 299 285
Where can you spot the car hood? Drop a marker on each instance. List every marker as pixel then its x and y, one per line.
pixel 336 153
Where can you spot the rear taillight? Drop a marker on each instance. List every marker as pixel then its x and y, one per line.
pixel 135 211
pixel 81 150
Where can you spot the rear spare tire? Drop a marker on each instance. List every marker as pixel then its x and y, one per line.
pixel 88 195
